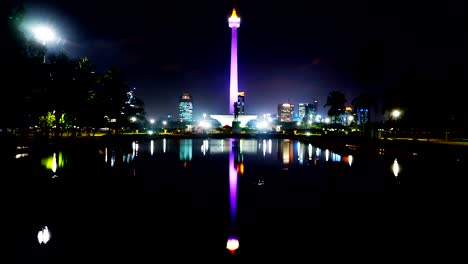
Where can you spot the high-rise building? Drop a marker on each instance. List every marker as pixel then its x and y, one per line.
pixel 241 103
pixel 185 108
pixel 285 112
pixel 307 111
pixel 363 115
pixel 302 111
pixel 347 117
pixel 311 111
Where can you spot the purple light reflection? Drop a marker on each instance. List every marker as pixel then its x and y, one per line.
pixel 232 183
pixel 233 241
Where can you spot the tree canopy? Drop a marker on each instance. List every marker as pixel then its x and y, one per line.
pixel 68 88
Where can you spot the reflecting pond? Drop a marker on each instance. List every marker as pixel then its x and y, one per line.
pixel 228 198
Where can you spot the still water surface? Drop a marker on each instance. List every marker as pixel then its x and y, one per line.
pixel 229 198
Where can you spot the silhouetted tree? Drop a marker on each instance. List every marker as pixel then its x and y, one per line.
pixel 88 106
pixel 336 101
pixel 114 96
pixel 365 100
pixel 19 62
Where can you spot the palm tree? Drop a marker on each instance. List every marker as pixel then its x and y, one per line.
pixel 336 101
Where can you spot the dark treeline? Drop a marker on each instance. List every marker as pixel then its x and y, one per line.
pixel 59 94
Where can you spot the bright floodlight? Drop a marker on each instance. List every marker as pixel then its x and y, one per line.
pixel 205 124
pixel 262 124
pixel 44 34
pixel 396 113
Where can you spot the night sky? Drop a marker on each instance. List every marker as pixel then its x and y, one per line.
pixel 288 51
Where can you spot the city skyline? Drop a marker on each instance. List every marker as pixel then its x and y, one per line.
pixel 295 52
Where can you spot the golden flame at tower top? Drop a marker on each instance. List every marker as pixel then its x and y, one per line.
pixel 234 13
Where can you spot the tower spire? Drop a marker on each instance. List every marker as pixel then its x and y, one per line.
pixel 234 13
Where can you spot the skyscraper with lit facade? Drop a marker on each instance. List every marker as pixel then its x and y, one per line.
pixel 307 111
pixel 185 108
pixel 285 112
pixel 363 115
pixel 302 111
pixel 241 103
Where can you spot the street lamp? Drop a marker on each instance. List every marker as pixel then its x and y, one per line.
pixel 164 122
pixel 396 114
pixel 44 34
pixel 152 123
pixel 350 119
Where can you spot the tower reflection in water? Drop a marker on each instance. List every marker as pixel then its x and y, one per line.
pixel 235 166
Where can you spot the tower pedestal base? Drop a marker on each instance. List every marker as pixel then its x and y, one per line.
pixel 236 128
pixel 228 119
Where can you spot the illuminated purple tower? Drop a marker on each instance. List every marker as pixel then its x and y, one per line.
pixel 234 23
pixel 242 118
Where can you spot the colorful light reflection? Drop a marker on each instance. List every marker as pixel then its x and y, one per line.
pixel 232 184
pixel 53 162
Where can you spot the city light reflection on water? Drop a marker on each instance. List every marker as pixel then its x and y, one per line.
pixel 54 162
pixel 185 151
pixel 291 152
pixel 265 179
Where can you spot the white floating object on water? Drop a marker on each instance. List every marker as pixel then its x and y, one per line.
pixel 395 168
pixel 43 236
